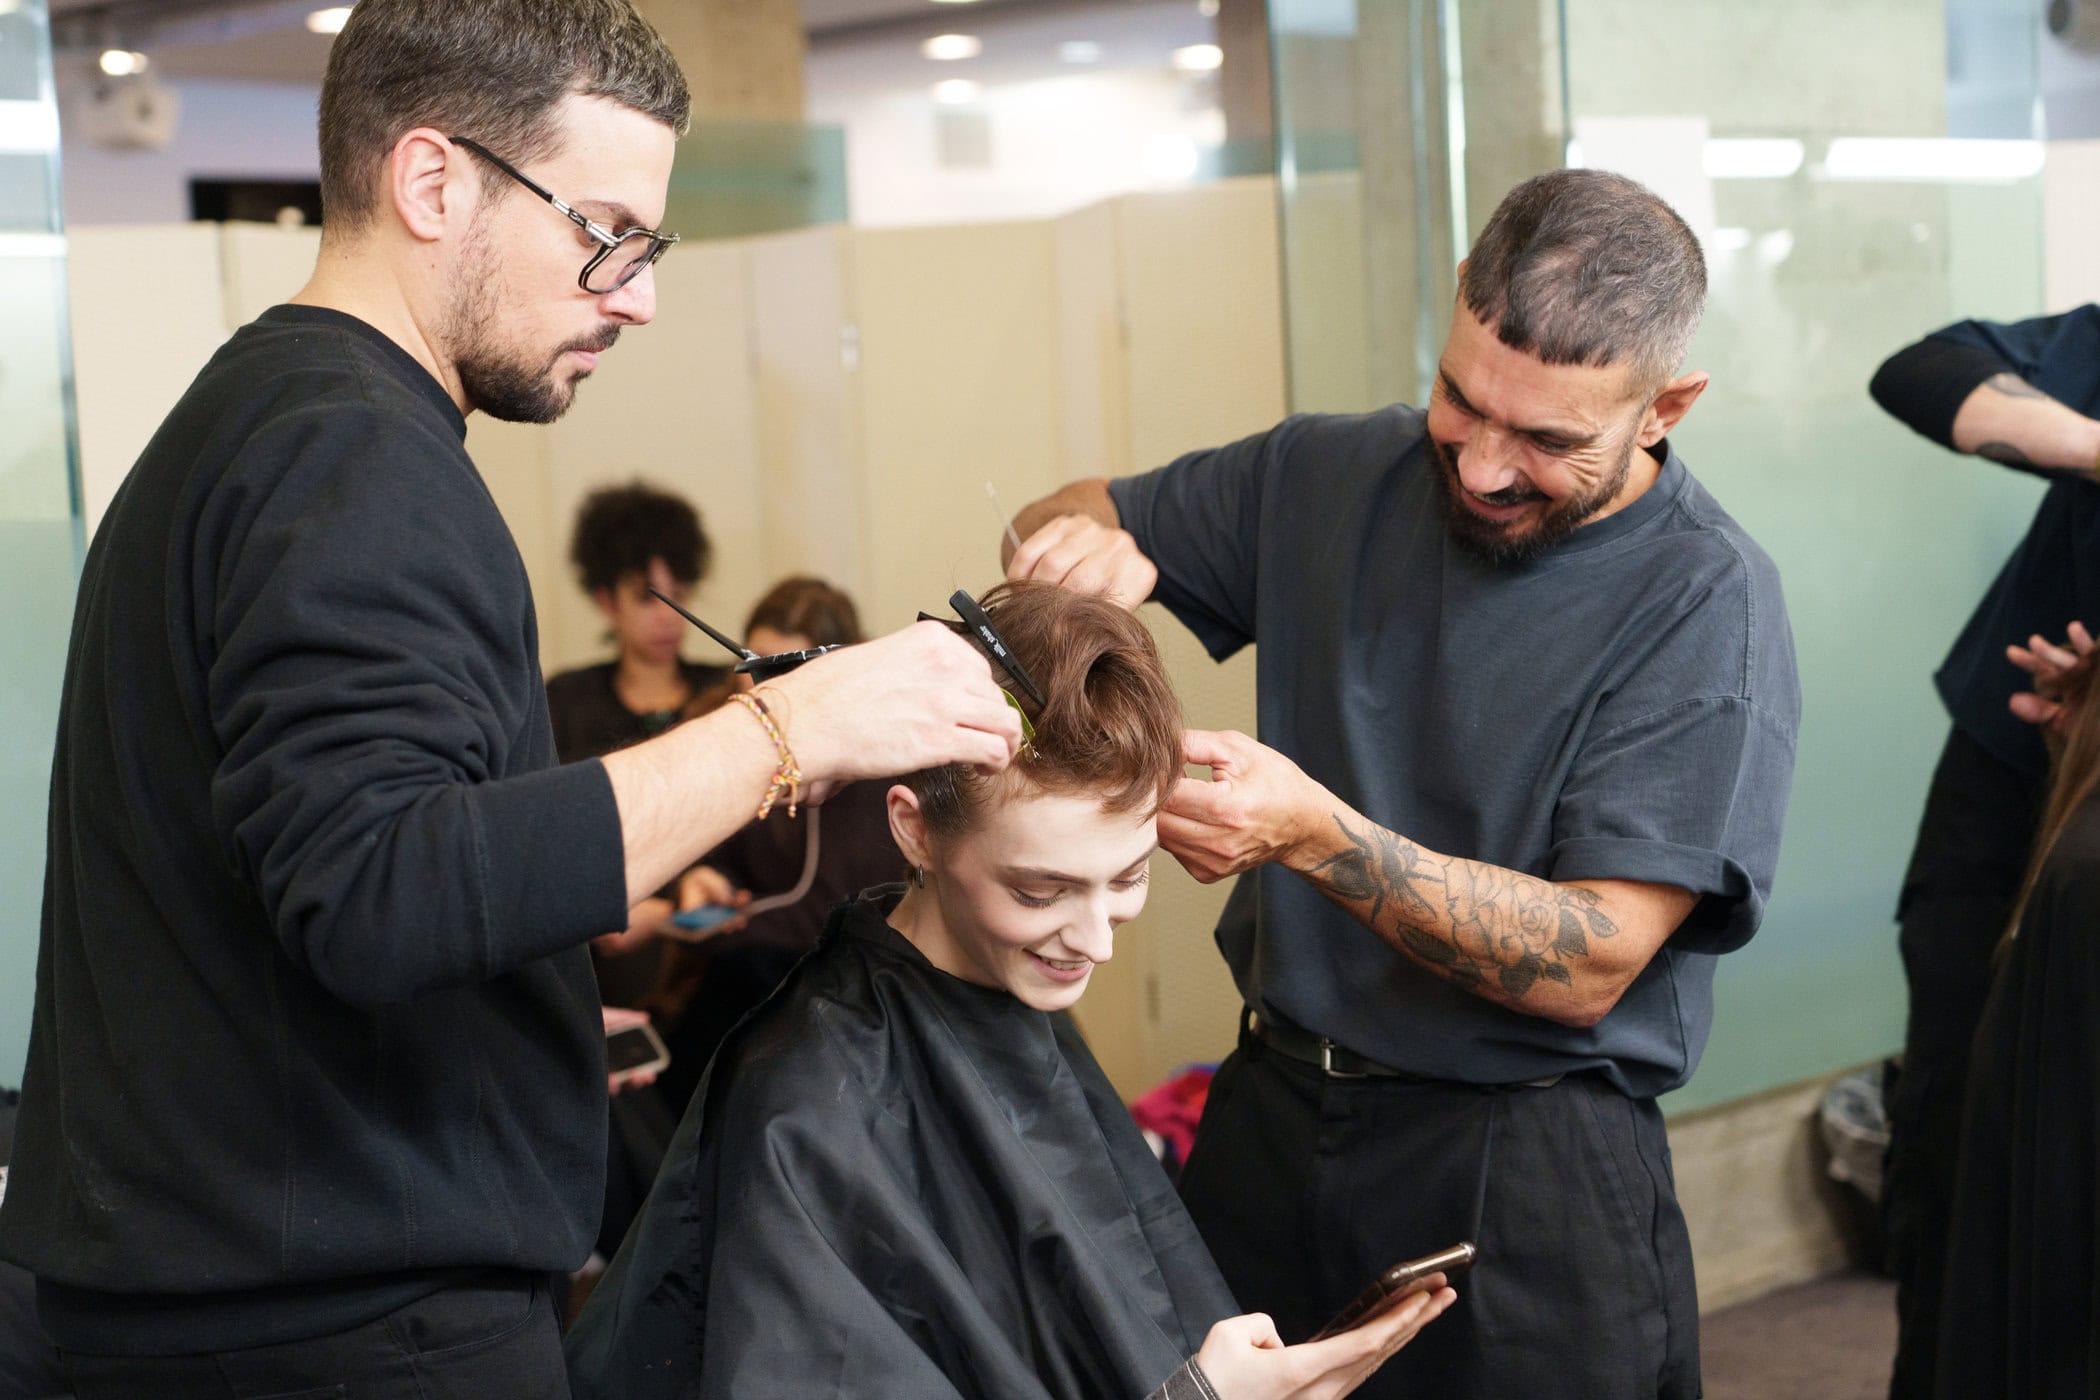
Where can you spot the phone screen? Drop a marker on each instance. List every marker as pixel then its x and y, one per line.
pixel 632 1049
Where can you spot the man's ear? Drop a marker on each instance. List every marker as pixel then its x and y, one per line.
pixel 1669 407
pixel 428 180
pixel 607 602
pixel 908 825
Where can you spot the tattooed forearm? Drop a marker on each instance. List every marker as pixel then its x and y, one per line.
pixel 1466 921
pixel 2004 452
pixel 2012 386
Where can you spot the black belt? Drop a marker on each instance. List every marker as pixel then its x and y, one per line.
pixel 1338 1062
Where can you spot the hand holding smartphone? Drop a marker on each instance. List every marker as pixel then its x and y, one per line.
pixel 1399 1282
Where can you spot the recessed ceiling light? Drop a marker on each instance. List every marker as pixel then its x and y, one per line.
pixel 1207 8
pixel 122 63
pixel 1198 58
pixel 954 2
pixel 330 20
pixel 957 90
pixel 946 48
pixel 1079 51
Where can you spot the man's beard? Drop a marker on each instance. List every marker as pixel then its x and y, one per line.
pixel 1490 541
pixel 499 380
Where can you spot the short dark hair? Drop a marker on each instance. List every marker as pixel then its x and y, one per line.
pixel 1112 727
pixel 493 70
pixel 808 607
pixel 619 529
pixel 1585 267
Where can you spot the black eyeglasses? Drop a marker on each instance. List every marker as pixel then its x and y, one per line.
pixel 621 255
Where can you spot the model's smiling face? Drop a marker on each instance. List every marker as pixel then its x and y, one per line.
pixel 1029 899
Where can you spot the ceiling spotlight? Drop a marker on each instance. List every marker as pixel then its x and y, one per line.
pixel 1207 8
pixel 1079 51
pixel 122 63
pixel 946 48
pixel 330 20
pixel 1198 58
pixel 954 2
pixel 955 91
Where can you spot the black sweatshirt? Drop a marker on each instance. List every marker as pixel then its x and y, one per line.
pixel 2054 574
pixel 314 1031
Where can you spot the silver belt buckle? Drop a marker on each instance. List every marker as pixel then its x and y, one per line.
pixel 1327 1063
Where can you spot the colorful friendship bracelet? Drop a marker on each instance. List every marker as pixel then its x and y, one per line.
pixel 787 778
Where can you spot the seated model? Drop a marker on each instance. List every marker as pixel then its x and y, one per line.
pixel 903 1176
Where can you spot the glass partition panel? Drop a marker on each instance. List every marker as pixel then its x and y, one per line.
pixel 1849 171
pixel 39 512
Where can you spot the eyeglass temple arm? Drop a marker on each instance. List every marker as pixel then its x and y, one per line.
pixel 741 652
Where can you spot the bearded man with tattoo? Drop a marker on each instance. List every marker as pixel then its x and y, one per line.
pixel 1528 709
pixel 2021 395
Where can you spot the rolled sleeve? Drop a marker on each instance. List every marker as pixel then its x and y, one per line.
pixel 1692 796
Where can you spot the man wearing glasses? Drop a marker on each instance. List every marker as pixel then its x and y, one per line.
pixel 316 1077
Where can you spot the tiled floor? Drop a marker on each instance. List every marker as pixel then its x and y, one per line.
pixel 1827 1340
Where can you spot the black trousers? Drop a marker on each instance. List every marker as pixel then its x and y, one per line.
pixel 1306 1187
pixel 464 1343
pixel 1964 873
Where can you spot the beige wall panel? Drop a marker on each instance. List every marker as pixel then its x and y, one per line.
pixel 262 266
pixel 806 356
pixel 1092 361
pixel 146 314
pixel 2071 224
pixel 958 386
pixel 1201 364
pixel 1204 307
pixel 674 404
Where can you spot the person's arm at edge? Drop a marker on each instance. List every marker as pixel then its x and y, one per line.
pixel 1995 413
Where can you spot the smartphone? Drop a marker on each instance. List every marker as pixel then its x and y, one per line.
pixel 635 1050
pixel 764 668
pixel 1397 1283
pixel 703 916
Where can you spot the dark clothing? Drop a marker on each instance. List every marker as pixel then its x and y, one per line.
pixel 1624 708
pixel 1970 856
pixel 1584 1287
pixel 2023 1258
pixel 898 1183
pixel 496 1337
pixel 591 720
pixel 314 1032
pixel 705 988
pixel 2054 574
pixel 1980 813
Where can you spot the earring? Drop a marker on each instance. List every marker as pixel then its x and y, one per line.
pixel 918 876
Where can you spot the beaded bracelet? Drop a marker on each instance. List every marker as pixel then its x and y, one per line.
pixel 787 778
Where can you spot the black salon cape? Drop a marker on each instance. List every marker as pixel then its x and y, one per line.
pixel 895 1183
pixel 2022 1310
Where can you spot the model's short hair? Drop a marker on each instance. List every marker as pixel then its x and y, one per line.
pixel 1111 727
pixel 808 607
pixel 619 529
pixel 1585 267
pixel 491 70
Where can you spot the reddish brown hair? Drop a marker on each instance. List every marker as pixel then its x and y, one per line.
pixel 808 607
pixel 1111 727
pixel 2076 768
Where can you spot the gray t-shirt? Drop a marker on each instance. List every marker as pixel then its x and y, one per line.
pixel 1624 707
